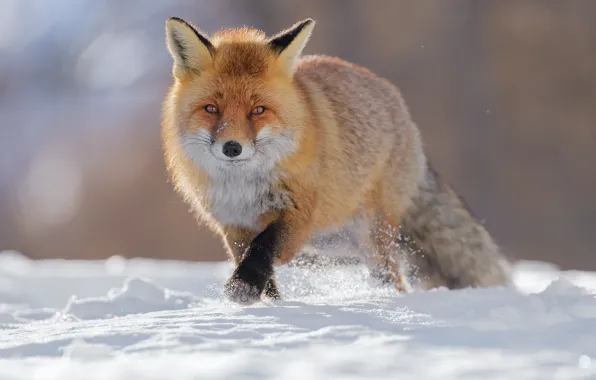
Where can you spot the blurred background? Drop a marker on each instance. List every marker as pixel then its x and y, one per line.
pixel 504 92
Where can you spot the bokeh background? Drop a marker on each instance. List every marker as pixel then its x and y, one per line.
pixel 504 92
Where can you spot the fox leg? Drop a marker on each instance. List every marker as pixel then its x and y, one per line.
pixel 278 243
pixel 386 262
pixel 237 241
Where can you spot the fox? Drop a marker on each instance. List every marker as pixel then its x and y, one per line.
pixel 276 152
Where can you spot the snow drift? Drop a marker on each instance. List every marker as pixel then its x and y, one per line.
pixel 143 319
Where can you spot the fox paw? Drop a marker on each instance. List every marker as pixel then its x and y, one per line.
pixel 385 278
pixel 240 291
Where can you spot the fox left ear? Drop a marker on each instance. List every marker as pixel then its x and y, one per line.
pixel 289 43
pixel 191 50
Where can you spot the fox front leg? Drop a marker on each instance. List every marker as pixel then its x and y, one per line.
pixel 255 267
pixel 237 241
pixel 278 243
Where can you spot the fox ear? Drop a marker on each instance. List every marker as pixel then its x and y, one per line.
pixel 289 43
pixel 190 49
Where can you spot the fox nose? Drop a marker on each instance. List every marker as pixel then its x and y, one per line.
pixel 232 148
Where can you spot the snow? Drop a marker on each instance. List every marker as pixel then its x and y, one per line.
pixel 142 319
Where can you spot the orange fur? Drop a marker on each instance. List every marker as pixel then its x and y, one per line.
pixel 355 151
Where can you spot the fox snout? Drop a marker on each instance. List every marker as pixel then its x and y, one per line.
pixel 216 151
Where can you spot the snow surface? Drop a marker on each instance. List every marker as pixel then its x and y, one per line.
pixel 143 319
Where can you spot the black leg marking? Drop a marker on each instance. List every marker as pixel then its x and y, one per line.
pixel 271 290
pixel 253 275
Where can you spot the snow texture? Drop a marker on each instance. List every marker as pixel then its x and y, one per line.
pixel 141 319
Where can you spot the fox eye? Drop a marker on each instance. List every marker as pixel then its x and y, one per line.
pixel 211 108
pixel 257 110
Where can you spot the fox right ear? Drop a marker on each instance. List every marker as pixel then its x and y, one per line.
pixel 190 49
pixel 289 43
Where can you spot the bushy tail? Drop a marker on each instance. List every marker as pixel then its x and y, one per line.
pixel 446 245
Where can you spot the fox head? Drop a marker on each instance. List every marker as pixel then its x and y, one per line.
pixel 234 103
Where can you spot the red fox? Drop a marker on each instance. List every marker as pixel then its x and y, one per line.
pixel 275 151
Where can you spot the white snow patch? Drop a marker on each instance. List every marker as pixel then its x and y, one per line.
pixel 81 349
pixel 143 319
pixel 136 296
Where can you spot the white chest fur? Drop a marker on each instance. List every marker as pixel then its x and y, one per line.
pixel 238 199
